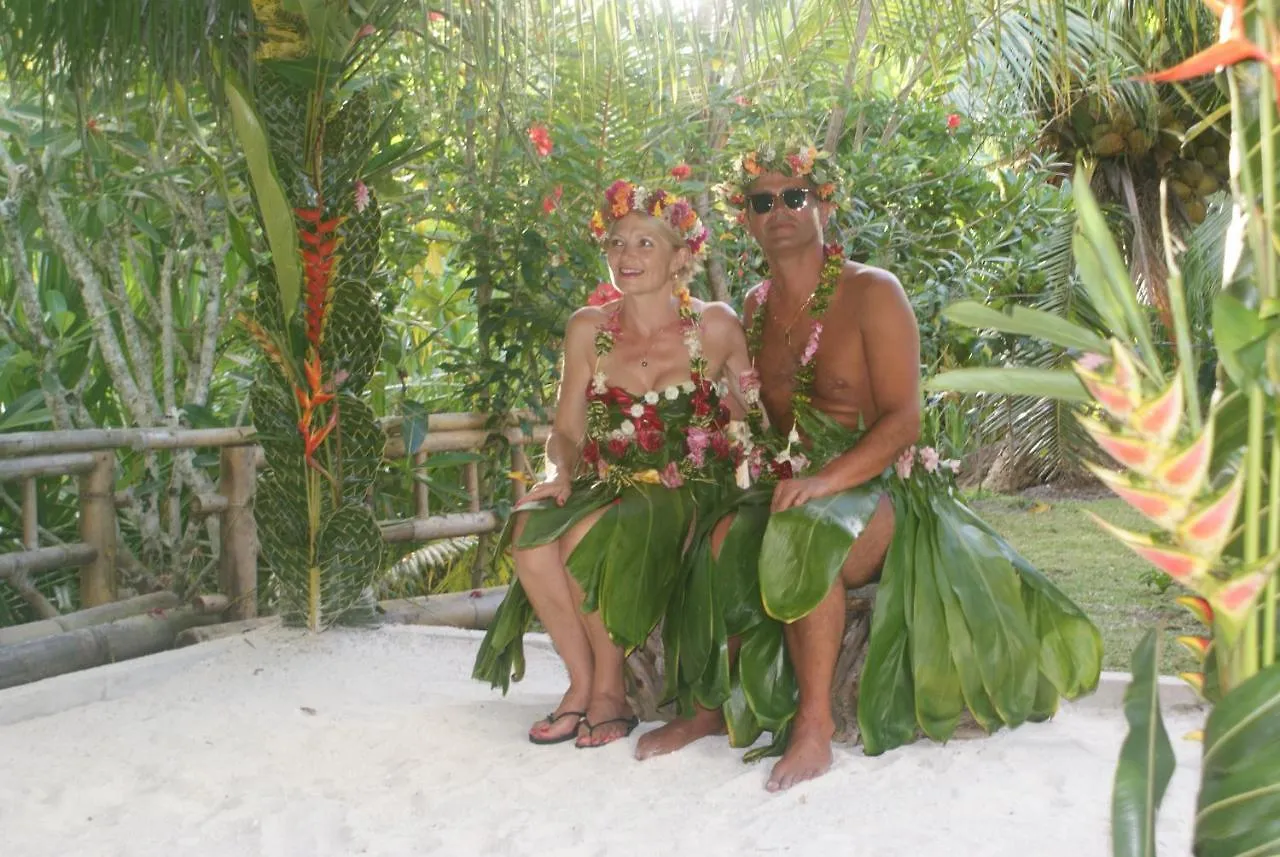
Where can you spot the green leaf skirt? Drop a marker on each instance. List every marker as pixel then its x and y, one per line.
pixel 630 564
pixel 961 621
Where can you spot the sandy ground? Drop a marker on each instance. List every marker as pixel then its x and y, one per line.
pixel 377 742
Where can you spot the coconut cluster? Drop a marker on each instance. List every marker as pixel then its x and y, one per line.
pixel 1196 169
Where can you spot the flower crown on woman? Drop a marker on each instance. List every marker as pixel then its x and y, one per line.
pixel 622 198
pixel 794 160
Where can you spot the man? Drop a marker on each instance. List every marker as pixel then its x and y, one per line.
pixel 838 350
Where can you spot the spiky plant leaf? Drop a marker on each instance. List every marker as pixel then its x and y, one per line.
pixel 349 551
pixel 274 413
pixel 361 442
pixel 353 335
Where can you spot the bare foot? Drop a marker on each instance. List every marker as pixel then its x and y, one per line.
pixel 607 720
pixel 561 724
pixel 680 733
pixel 808 756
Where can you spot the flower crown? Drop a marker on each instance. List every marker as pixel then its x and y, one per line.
pixel 623 198
pixel 794 161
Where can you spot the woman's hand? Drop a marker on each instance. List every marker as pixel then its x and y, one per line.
pixel 558 489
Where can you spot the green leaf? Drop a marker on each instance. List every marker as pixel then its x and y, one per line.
pixel 200 416
pixel 1238 809
pixel 768 681
pixel 1027 322
pixel 1236 327
pixel 500 659
pixel 277 214
pixel 886 695
pixel 1146 758
pixel 1060 384
pixel 805 547
pixel 413 428
pixel 939 700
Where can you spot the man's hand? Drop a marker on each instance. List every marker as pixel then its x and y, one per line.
pixel 797 492
pixel 558 489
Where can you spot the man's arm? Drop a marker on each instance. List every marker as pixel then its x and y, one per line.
pixel 891 347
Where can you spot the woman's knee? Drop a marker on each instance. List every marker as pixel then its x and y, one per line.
pixel 719 533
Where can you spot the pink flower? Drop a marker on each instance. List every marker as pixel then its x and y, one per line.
pixel 762 292
pixel 953 121
pixel 680 171
pixel 362 196
pixel 742 101
pixel 541 139
pixel 670 476
pixel 1091 362
pixel 904 462
pixel 929 458
pixel 811 349
pixel 749 381
pixel 605 293
pixel 602 469
pixel 365 31
pixel 435 16
pixel 799 462
pixel 756 462
pixel 697 440
pixel 953 463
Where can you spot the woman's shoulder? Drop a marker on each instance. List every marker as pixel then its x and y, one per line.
pixel 588 318
pixel 716 315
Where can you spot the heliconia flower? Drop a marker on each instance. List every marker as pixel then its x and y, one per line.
pixel 1159 419
pixel 1197 646
pixel 681 171
pixel 1165 510
pixel 929 458
pixel 1207 529
pixel 1115 399
pixel 1092 362
pixel 1133 453
pixel 1196 680
pixel 670 476
pixel 1186 568
pixel 1235 599
pixel 362 196
pixel 1124 371
pixel 1185 473
pixel 1199 607
pixel 904 462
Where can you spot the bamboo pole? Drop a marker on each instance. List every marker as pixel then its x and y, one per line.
pixel 46 465
pixel 91 440
pixel 238 562
pixel 98 528
pixel 30 515
pixel 47 559
pixel 87 618
pixel 473 485
pixel 213 603
pixel 440 527
pixel 204 633
pixel 209 504
pixel 462 421
pixel 473 609
pixel 464 439
pixel 520 464
pixel 421 494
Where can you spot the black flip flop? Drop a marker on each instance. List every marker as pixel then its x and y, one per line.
pixel 631 722
pixel 551 720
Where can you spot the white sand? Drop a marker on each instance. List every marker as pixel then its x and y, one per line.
pixel 405 755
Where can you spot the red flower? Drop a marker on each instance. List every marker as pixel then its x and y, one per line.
pixel 435 16
pixel 591 452
pixel 365 31
pixel 541 139
pixel 604 293
pixel 742 101
pixel 720 445
pixel 621 396
pixel 650 440
pixel 681 171
pixel 953 121
pixel 617 447
pixel 549 203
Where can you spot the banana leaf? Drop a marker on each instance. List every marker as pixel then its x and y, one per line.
pixel 1146 759
pixel 1238 809
pixel 737 569
pixel 886 695
pixel 768 681
pixel 939 700
pixel 551 521
pixel 805 548
pixel 500 660
pixel 739 719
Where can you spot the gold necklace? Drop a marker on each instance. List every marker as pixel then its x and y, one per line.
pixel 644 360
pixel 786 333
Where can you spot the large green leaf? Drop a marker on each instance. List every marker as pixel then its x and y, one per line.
pixel 939 700
pixel 1146 759
pixel 739 719
pixel 886 698
pixel 500 659
pixel 352 334
pixel 1059 384
pixel 768 681
pixel 737 570
pixel 360 441
pixel 1238 810
pixel 546 522
pixel 277 214
pixel 805 547
pixel 1027 322
pixel 1239 332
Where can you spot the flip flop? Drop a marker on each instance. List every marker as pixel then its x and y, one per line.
pixel 551 720
pixel 631 723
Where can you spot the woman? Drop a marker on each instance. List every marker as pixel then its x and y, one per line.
pixel 640 442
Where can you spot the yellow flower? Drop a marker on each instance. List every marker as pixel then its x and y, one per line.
pixel 650 477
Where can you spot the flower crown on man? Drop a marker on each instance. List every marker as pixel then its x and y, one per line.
pixel 623 197
pixel 795 160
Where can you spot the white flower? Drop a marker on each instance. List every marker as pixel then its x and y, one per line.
pixel 743 474
pixel 687 386
pixel 953 463
pixel 739 431
pixel 650 397
pixel 799 463
pixel 752 397
pixel 598 385
pixel 672 393
pixel 637 411
pixel 722 389
pixel 628 427
pixel 793 436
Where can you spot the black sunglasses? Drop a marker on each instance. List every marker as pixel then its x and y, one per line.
pixel 793 198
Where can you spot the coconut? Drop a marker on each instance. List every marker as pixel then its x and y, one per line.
pixel 1181 189
pixel 1207 185
pixel 1196 210
pixel 1190 171
pixel 1207 155
pixel 1138 142
pixel 1099 131
pixel 1109 145
pixel 1123 123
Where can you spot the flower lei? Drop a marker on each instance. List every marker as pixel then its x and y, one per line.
pixel 622 198
pixel 704 431
pixel 784 463
pixel 804 161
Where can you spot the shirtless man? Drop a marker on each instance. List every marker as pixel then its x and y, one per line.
pixel 868 369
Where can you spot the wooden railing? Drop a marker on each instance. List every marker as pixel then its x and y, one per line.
pixel 90 456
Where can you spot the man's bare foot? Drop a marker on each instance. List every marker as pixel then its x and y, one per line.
pixel 808 756
pixel 680 733
pixel 561 724
pixel 608 719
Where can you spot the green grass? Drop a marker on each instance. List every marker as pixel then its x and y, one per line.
pixel 1101 575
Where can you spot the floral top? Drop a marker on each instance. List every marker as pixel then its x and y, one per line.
pixel 666 436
